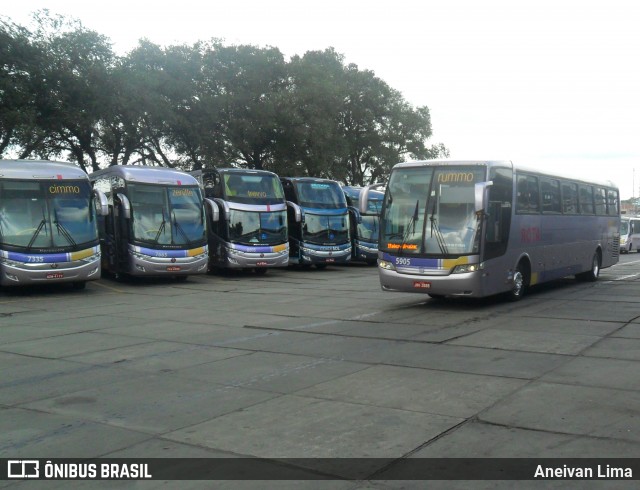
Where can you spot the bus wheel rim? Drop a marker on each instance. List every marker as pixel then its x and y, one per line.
pixel 518 282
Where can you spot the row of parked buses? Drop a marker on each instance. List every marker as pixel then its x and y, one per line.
pixel 58 224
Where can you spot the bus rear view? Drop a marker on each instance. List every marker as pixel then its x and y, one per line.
pixel 318 222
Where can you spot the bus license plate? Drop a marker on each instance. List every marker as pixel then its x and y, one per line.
pixel 330 260
pixel 422 284
pixel 173 268
pixel 55 275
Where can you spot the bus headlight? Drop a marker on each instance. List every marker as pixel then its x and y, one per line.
pixel 385 264
pixel 462 268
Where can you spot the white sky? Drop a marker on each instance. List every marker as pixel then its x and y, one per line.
pixel 550 83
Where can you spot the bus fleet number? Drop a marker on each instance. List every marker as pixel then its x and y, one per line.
pixel 403 261
pixel 32 259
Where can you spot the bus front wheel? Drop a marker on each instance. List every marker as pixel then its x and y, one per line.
pixel 519 283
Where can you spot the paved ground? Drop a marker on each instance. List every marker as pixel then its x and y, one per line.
pixel 315 364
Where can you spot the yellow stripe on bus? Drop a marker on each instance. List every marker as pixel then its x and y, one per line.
pixel 82 254
pixel 279 248
pixel 534 279
pixel 451 263
pixel 195 251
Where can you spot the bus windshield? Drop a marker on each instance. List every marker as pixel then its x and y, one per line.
pixel 325 229
pixel 47 214
pixel 431 210
pixel 624 227
pixel 321 195
pixel 253 227
pixel 253 188
pixel 368 228
pixel 166 215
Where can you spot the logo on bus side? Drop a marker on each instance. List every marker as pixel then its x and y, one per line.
pixel 530 235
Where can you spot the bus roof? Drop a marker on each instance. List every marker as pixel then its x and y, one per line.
pixel 233 170
pixel 147 175
pixel 505 163
pixel 40 169
pixel 309 179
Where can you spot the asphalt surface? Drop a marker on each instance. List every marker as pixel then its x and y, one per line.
pixel 319 364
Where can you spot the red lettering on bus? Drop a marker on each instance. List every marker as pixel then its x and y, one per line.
pixel 530 235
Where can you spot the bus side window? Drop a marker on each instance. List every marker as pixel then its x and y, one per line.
pixel 550 190
pixel 498 222
pixel 528 194
pixel 569 198
pixel 612 203
pixel 600 201
pixel 586 199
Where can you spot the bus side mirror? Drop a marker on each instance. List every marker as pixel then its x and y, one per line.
pixel 296 211
pixel 126 205
pixel 102 204
pixel 356 214
pixel 481 195
pixel 213 207
pixel 363 199
pixel 224 205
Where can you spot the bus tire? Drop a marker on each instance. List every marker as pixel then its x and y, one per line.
pixel 520 283
pixel 592 274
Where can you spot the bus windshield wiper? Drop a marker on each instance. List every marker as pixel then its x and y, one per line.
pixel 434 228
pixel 162 227
pixel 43 224
pixel 61 229
pixel 412 222
pixel 180 229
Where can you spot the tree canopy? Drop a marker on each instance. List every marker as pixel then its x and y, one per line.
pixel 64 94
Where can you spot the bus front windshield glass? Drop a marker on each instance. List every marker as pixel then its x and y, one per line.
pixel 253 188
pixel 323 229
pixel 369 228
pixel 167 215
pixel 47 214
pixel 257 228
pixel 320 195
pixel 431 210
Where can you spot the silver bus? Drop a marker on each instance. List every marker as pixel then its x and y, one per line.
pixel 365 227
pixel 318 220
pixel 629 234
pixel 156 222
pixel 478 228
pixel 48 230
pixel 247 219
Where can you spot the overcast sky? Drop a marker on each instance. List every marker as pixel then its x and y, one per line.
pixel 553 84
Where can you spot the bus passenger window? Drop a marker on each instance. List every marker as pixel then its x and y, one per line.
pixel 612 203
pixel 586 199
pixel 569 198
pixel 528 196
pixel 600 201
pixel 550 191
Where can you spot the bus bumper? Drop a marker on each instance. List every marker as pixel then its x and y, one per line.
pixel 313 255
pixel 24 274
pixel 240 257
pixel 469 284
pixel 365 252
pixel 141 264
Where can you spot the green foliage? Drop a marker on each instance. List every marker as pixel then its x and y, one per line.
pixel 64 94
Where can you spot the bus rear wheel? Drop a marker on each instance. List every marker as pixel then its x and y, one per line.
pixel 592 274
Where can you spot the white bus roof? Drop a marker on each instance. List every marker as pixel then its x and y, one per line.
pixel 147 175
pixel 40 169
pixel 506 163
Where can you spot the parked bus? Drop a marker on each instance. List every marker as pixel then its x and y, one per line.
pixel 247 219
pixel 482 228
pixel 629 234
pixel 155 225
pixel 318 222
pixel 364 227
pixel 48 230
